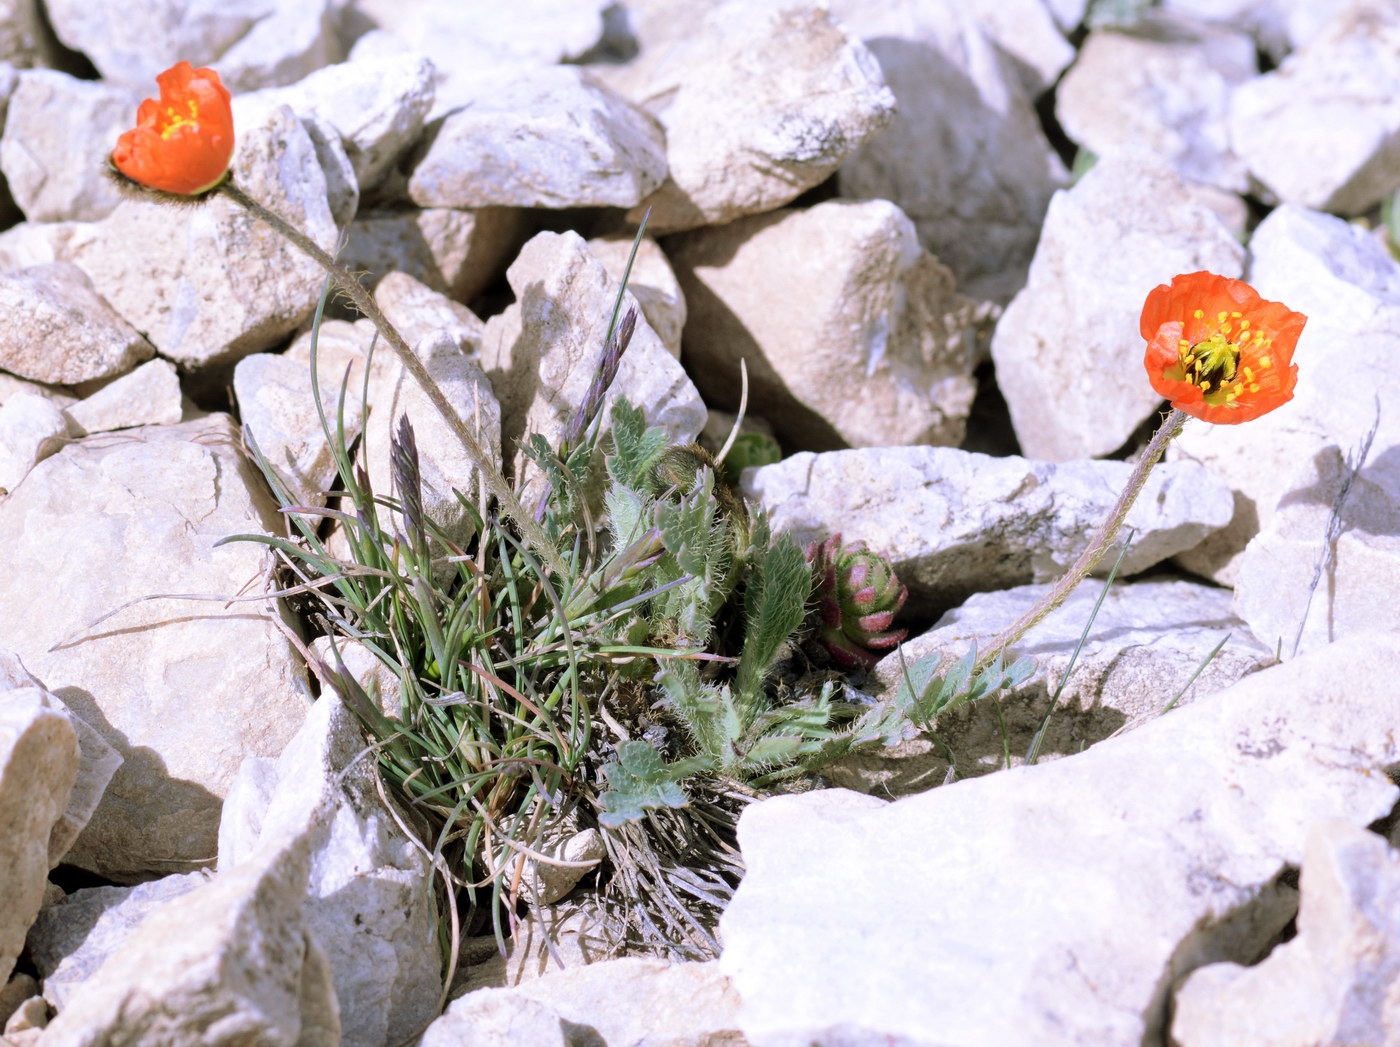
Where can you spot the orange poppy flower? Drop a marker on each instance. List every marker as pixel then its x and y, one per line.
pixel 183 143
pixel 1217 350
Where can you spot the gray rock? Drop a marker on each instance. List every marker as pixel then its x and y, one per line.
pixel 1332 101
pixel 31 429
pixel 342 189
pixel 252 44
pixel 457 252
pixel 419 311
pixel 1057 904
pixel 70 940
pixel 182 690
pixel 542 353
pixel 1068 349
pixel 229 963
pixel 954 522
pixel 1279 26
pixel 1331 983
pixel 1170 93
pixel 36 243
pixel 652 282
pixel 1139 654
pixel 214 284
pixel 1349 288
pixel 149 395
pixel 573 933
pixel 628 1000
pixel 1025 30
pixel 965 156
pixel 55 167
pixel 852 333
pixel 377 105
pixel 59 329
pixel 545 138
pixel 38 765
pixel 56 395
pixel 24 35
pixel 762 102
pixel 369 899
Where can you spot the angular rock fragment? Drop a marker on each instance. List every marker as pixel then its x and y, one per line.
pixel 852 333
pixel 652 282
pixel 457 252
pixel 149 395
pixel 31 429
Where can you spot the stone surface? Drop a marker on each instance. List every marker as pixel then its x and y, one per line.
pixel 965 156
pixel 1349 288
pixel 652 283
pixel 954 522
pixel 35 243
pixel 253 43
pixel 69 941
pixel 418 311
pixel 278 408
pixel 61 330
pixel 369 897
pixel 1003 913
pixel 1170 93
pixel 1139 654
pixel 229 963
pixel 1328 561
pixel 453 251
pixel 56 395
pixel 54 167
pixel 31 429
pixel 149 395
pixel 629 1000
pixel 577 853
pixel 762 102
pixel 572 933
pixel 1335 100
pixel 1279 26
pixel 38 764
pixel 1068 349
pixel 852 333
pixel 214 283
pixel 182 690
pixel 377 105
pixel 541 353
pixel 1334 982
pixel 550 137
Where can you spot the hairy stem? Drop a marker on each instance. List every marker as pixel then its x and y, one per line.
pixel 510 505
pixel 1098 545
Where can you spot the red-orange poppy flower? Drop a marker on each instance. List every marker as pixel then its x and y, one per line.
pixel 183 143
pixel 1217 350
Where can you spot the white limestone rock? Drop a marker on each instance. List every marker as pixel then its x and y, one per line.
pixel 454 251
pixel 542 353
pixel 231 962
pixel 36 243
pixel 418 311
pixel 852 333
pixel 368 901
pixel 31 429
pixel 1335 101
pixel 1279 26
pixel 1327 564
pixel 1349 288
pixel 762 102
pixel 59 329
pixel 628 1000
pixel 954 522
pixel 1068 349
pixel 149 395
pixel 39 758
pixel 549 137
pixel 1332 983
pixel 71 939
pixel 214 284
pixel 652 282
pixel 1057 904
pixel 252 43
pixel 182 690
pixel 1147 640
pixel 377 105
pixel 1170 93
pixel 54 165
pixel 965 156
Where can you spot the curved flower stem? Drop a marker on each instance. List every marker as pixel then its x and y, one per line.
pixel 1098 545
pixel 531 531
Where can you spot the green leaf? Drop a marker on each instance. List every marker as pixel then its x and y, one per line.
pixel 639 780
pixel 637 448
pixel 774 605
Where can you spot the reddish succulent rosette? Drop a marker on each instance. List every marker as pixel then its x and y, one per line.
pixel 183 142
pixel 1217 350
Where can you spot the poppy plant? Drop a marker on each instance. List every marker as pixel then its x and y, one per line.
pixel 182 143
pixel 1217 350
